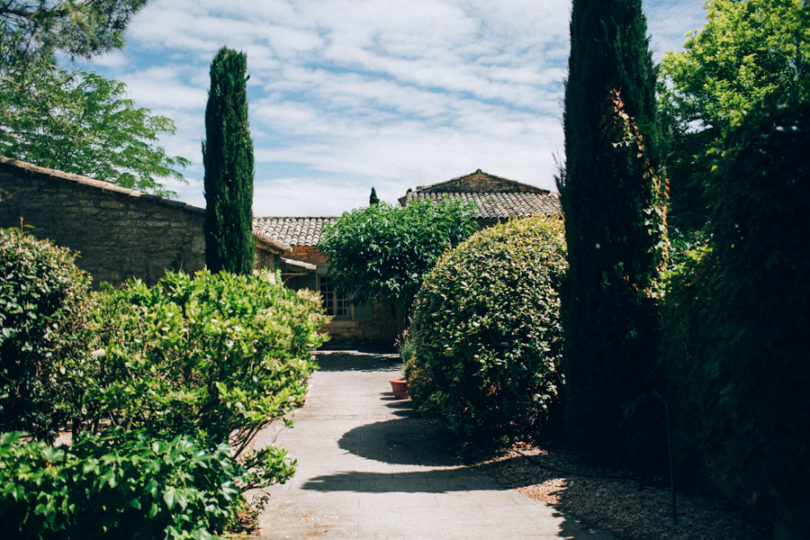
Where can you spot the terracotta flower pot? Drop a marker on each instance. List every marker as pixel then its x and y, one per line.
pixel 400 388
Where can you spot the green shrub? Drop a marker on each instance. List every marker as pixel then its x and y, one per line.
pixel 736 322
pixel 692 382
pixel 218 355
pixel 118 484
pixel 43 300
pixel 487 334
pixel 382 252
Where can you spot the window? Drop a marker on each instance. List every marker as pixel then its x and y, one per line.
pixel 334 304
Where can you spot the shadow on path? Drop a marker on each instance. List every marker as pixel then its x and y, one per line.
pixel 402 442
pixel 353 360
pixel 430 481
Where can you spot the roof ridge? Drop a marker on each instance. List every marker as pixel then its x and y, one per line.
pixel 97 184
pixel 295 217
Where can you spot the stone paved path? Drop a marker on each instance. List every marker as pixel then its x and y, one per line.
pixel 368 469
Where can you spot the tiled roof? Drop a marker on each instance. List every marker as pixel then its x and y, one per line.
pixel 293 231
pixel 500 205
pixel 494 197
pixel 30 168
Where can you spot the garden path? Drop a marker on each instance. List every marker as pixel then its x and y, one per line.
pixel 369 468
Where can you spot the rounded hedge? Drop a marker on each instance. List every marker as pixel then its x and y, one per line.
pixel 43 302
pixel 486 333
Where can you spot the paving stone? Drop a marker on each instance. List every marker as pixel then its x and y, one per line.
pixel 369 468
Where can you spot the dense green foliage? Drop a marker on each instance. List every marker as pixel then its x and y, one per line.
pixel 690 381
pixel 43 302
pixel 228 160
pixel 486 334
pixel 372 198
pixel 382 251
pixel 32 31
pixel 734 348
pixel 218 355
pixel 82 123
pixel 179 370
pixel 76 121
pixel 611 194
pixel 750 297
pixel 750 52
pixel 119 484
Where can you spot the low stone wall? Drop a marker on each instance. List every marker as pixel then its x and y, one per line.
pixel 119 233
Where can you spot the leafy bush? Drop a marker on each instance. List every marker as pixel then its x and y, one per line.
pixel 43 300
pixel 382 252
pixel 118 484
pixel 218 355
pixel 741 311
pixel 487 336
pixel 760 314
pixel 692 382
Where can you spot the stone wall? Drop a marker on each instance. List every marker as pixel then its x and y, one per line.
pixel 373 324
pixel 119 233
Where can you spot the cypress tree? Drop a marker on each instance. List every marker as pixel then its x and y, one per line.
pixel 615 223
pixel 228 160
pixel 373 199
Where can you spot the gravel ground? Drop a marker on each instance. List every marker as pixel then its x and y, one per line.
pixel 611 500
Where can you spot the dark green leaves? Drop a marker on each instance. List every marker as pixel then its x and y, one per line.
pixel 228 160
pixel 382 252
pixel 123 484
pixel 79 122
pixel 43 309
pixel 486 338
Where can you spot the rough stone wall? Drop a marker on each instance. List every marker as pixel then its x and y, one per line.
pixel 265 260
pixel 380 329
pixel 484 183
pixel 119 233
pixel 310 254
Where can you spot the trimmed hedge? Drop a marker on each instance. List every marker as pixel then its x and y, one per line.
pixel 43 303
pixel 486 334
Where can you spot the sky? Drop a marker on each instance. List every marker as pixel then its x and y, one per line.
pixel 344 95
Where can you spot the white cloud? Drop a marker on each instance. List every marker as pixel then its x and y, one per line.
pixel 389 93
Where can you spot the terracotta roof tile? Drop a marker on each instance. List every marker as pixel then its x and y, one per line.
pixel 293 231
pixel 499 205
pixel 494 197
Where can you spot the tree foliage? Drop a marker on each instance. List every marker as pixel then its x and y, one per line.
pixel 76 121
pixel 750 52
pixel 82 123
pixel 228 160
pixel 382 252
pixel 760 310
pixel 34 30
pixel 218 355
pixel 486 337
pixel 43 306
pixel 611 194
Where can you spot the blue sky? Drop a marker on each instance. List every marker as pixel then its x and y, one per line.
pixel 349 94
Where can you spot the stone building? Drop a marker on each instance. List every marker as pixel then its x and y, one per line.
pixel 122 233
pixel 494 198
pixel 119 233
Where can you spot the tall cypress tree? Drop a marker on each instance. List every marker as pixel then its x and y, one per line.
pixel 228 160
pixel 615 223
pixel 372 198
